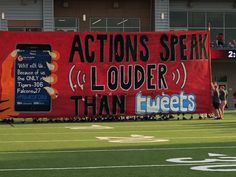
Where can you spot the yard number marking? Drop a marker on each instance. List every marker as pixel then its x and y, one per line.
pixel 92 127
pixel 228 164
pixel 132 139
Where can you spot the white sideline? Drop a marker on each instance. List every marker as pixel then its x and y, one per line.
pixel 117 150
pixel 99 167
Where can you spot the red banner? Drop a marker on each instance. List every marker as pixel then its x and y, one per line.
pixel 51 74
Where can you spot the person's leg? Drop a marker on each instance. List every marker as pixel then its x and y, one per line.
pixel 216 113
pixel 223 108
pixel 219 111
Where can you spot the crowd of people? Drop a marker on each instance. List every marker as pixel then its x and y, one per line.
pixel 220 42
pixel 219 97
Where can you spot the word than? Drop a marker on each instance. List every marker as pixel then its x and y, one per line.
pixel 103 105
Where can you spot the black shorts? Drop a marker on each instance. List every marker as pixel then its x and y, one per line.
pixel 216 105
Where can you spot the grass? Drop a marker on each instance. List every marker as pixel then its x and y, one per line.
pixel 48 150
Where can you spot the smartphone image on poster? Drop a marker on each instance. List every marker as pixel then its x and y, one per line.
pixel 30 69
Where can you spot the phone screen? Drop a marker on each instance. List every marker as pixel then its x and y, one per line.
pixel 30 69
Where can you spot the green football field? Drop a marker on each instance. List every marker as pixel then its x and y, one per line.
pixel 175 148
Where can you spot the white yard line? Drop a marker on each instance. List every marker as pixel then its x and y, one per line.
pixel 99 167
pixel 110 132
pixel 47 141
pixel 117 150
pixel 90 140
pixel 118 125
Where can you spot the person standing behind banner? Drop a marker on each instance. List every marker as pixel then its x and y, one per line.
pixel 220 39
pixel 216 101
pixel 223 99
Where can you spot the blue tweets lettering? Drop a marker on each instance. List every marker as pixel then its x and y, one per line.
pixel 179 103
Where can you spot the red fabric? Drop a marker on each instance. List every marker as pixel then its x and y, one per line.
pixel 218 54
pixel 198 73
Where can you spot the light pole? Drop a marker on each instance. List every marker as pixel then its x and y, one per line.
pixel 3 16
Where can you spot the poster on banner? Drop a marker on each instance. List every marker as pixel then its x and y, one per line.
pixel 52 74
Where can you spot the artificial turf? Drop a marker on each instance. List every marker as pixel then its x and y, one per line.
pixel 53 149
